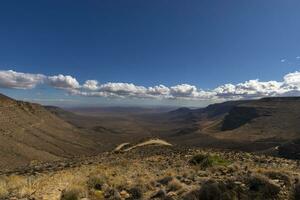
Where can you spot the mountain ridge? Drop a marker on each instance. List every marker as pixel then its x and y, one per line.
pixel 29 132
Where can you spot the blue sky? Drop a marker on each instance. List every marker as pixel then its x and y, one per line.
pixel 205 44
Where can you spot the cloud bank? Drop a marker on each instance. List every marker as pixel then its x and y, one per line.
pixel 63 82
pixel 288 86
pixel 18 80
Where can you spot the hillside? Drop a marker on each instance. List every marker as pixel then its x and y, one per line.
pixel 51 153
pixel 29 132
pixel 159 173
pixel 252 125
pixel 262 125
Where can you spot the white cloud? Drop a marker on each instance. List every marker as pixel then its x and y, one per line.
pixel 292 79
pixel 91 85
pixel 19 80
pixel 63 82
pixel 190 92
pixel 289 86
pixel 123 89
pixel 159 90
pixel 183 90
pixel 283 60
pixel 250 89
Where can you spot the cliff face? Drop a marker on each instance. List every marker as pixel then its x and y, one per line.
pixel 277 115
pixel 253 125
pixel 240 115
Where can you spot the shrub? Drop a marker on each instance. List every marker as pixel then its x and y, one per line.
pixel 135 193
pixel 174 185
pixel 165 180
pixel 112 194
pixel 192 195
pixel 96 182
pixel 279 175
pixel 262 187
pixel 71 194
pixel 297 191
pixel 160 194
pixel 206 160
pixel 212 190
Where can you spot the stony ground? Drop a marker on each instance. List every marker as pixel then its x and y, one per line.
pixel 168 173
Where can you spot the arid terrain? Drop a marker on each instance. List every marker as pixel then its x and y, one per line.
pixel 156 171
pixel 232 150
pixel 29 132
pixel 149 100
pixel 268 125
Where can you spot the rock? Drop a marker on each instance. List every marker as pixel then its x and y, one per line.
pixel 166 180
pixel 135 193
pixel 112 194
pixel 99 194
pixel 171 194
pixel 124 194
pixel 159 194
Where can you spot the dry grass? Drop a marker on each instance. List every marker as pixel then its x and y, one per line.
pixel 3 189
pixel 20 186
pixel 171 175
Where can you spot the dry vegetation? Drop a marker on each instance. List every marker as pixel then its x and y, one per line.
pixel 158 172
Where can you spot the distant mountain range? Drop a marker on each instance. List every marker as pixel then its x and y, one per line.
pixel 267 124
pixel 30 132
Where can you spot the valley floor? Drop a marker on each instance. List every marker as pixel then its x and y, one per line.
pixel 155 172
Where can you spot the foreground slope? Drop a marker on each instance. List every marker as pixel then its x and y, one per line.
pixel 29 132
pixel 157 172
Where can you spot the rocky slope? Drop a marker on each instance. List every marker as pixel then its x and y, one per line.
pixel 29 132
pixel 157 172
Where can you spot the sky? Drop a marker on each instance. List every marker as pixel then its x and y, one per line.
pixel 158 52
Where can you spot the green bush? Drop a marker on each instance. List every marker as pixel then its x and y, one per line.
pixel 206 160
